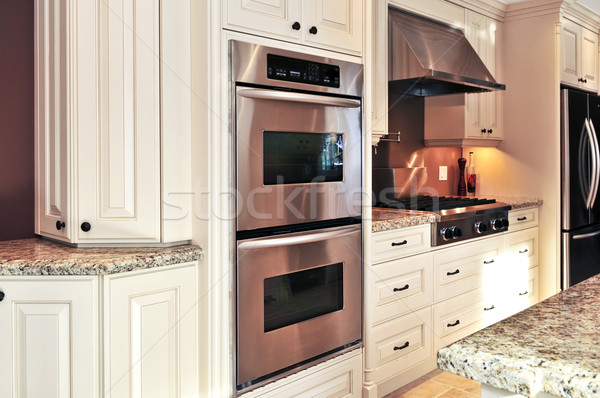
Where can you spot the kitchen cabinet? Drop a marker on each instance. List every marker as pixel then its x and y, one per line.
pixel 150 333
pixel 376 72
pixel 470 119
pixel 578 56
pixel 430 297
pixel 98 115
pixel 49 335
pixel 331 24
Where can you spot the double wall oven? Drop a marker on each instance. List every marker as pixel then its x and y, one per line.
pixel 298 152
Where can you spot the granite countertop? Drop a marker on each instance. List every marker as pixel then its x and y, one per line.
pixel 42 257
pixel 517 202
pixel 388 219
pixel 385 219
pixel 551 347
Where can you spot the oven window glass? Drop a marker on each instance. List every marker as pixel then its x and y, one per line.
pixel 296 297
pixel 296 158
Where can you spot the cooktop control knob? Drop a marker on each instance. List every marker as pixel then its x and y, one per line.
pixel 496 224
pixel 456 232
pixel 505 223
pixel 447 233
pixel 480 227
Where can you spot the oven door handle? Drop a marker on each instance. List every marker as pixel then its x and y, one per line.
pixel 258 93
pixel 297 239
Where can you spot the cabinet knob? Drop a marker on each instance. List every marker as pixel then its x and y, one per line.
pixel 60 224
pixel 581 79
pixel 296 25
pixel 313 30
pixel 483 130
pixel 2 296
pixel 490 131
pixel 85 226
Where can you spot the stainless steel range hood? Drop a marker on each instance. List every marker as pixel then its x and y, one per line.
pixel 429 58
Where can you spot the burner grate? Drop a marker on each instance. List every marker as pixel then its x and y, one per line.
pixel 433 203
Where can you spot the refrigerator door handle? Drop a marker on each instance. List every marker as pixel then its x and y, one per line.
pixel 596 169
pixel 587 185
pixel 585 236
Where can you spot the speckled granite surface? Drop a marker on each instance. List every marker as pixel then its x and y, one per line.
pixel 517 202
pixel 388 219
pixel 42 257
pixel 552 347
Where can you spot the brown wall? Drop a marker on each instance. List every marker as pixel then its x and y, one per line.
pixel 16 119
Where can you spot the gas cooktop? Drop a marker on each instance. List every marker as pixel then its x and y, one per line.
pixel 461 218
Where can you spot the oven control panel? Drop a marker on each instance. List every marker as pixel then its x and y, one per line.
pixel 302 71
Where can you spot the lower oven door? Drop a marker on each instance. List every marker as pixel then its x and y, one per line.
pixel 298 297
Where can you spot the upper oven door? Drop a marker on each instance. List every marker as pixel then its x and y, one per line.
pixel 298 157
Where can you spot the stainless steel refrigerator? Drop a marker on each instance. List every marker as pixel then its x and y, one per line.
pixel 580 124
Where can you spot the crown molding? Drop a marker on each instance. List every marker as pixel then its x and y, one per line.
pixel 582 15
pixel 571 9
pixel 491 8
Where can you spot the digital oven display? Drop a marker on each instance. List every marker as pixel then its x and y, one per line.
pixel 301 71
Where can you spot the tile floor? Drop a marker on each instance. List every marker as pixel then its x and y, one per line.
pixel 439 384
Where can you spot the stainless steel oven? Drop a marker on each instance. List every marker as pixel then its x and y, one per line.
pixel 299 297
pixel 298 172
pixel 298 137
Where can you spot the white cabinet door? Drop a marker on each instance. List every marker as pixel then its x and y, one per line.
pixel 277 17
pixel 570 57
pixel 376 72
pixel 150 333
pixel 336 24
pixel 119 129
pixel 49 334
pixel 579 56
pixel 484 111
pixel 51 120
pixel 589 59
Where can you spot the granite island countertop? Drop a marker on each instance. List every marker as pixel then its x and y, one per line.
pixel 552 347
pixel 43 257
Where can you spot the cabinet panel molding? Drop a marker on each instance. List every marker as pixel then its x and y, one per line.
pixel 43 356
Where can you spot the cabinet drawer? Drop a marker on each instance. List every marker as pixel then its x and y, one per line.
pixel 401 343
pixel 524 293
pixel 523 218
pixel 398 243
pixel 460 316
pixel 522 248
pixel 339 377
pixel 401 286
pixel 466 267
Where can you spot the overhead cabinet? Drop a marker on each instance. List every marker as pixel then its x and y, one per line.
pixel 470 119
pixel 579 56
pixel 99 138
pixel 331 24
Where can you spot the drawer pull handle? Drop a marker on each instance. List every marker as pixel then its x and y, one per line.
pixel 403 346
pixel 523 251
pixel 453 273
pixel 450 325
pixel 489 308
pixel 399 289
pixel 489 262
pixel 521 218
pixel 400 243
pixel 524 293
